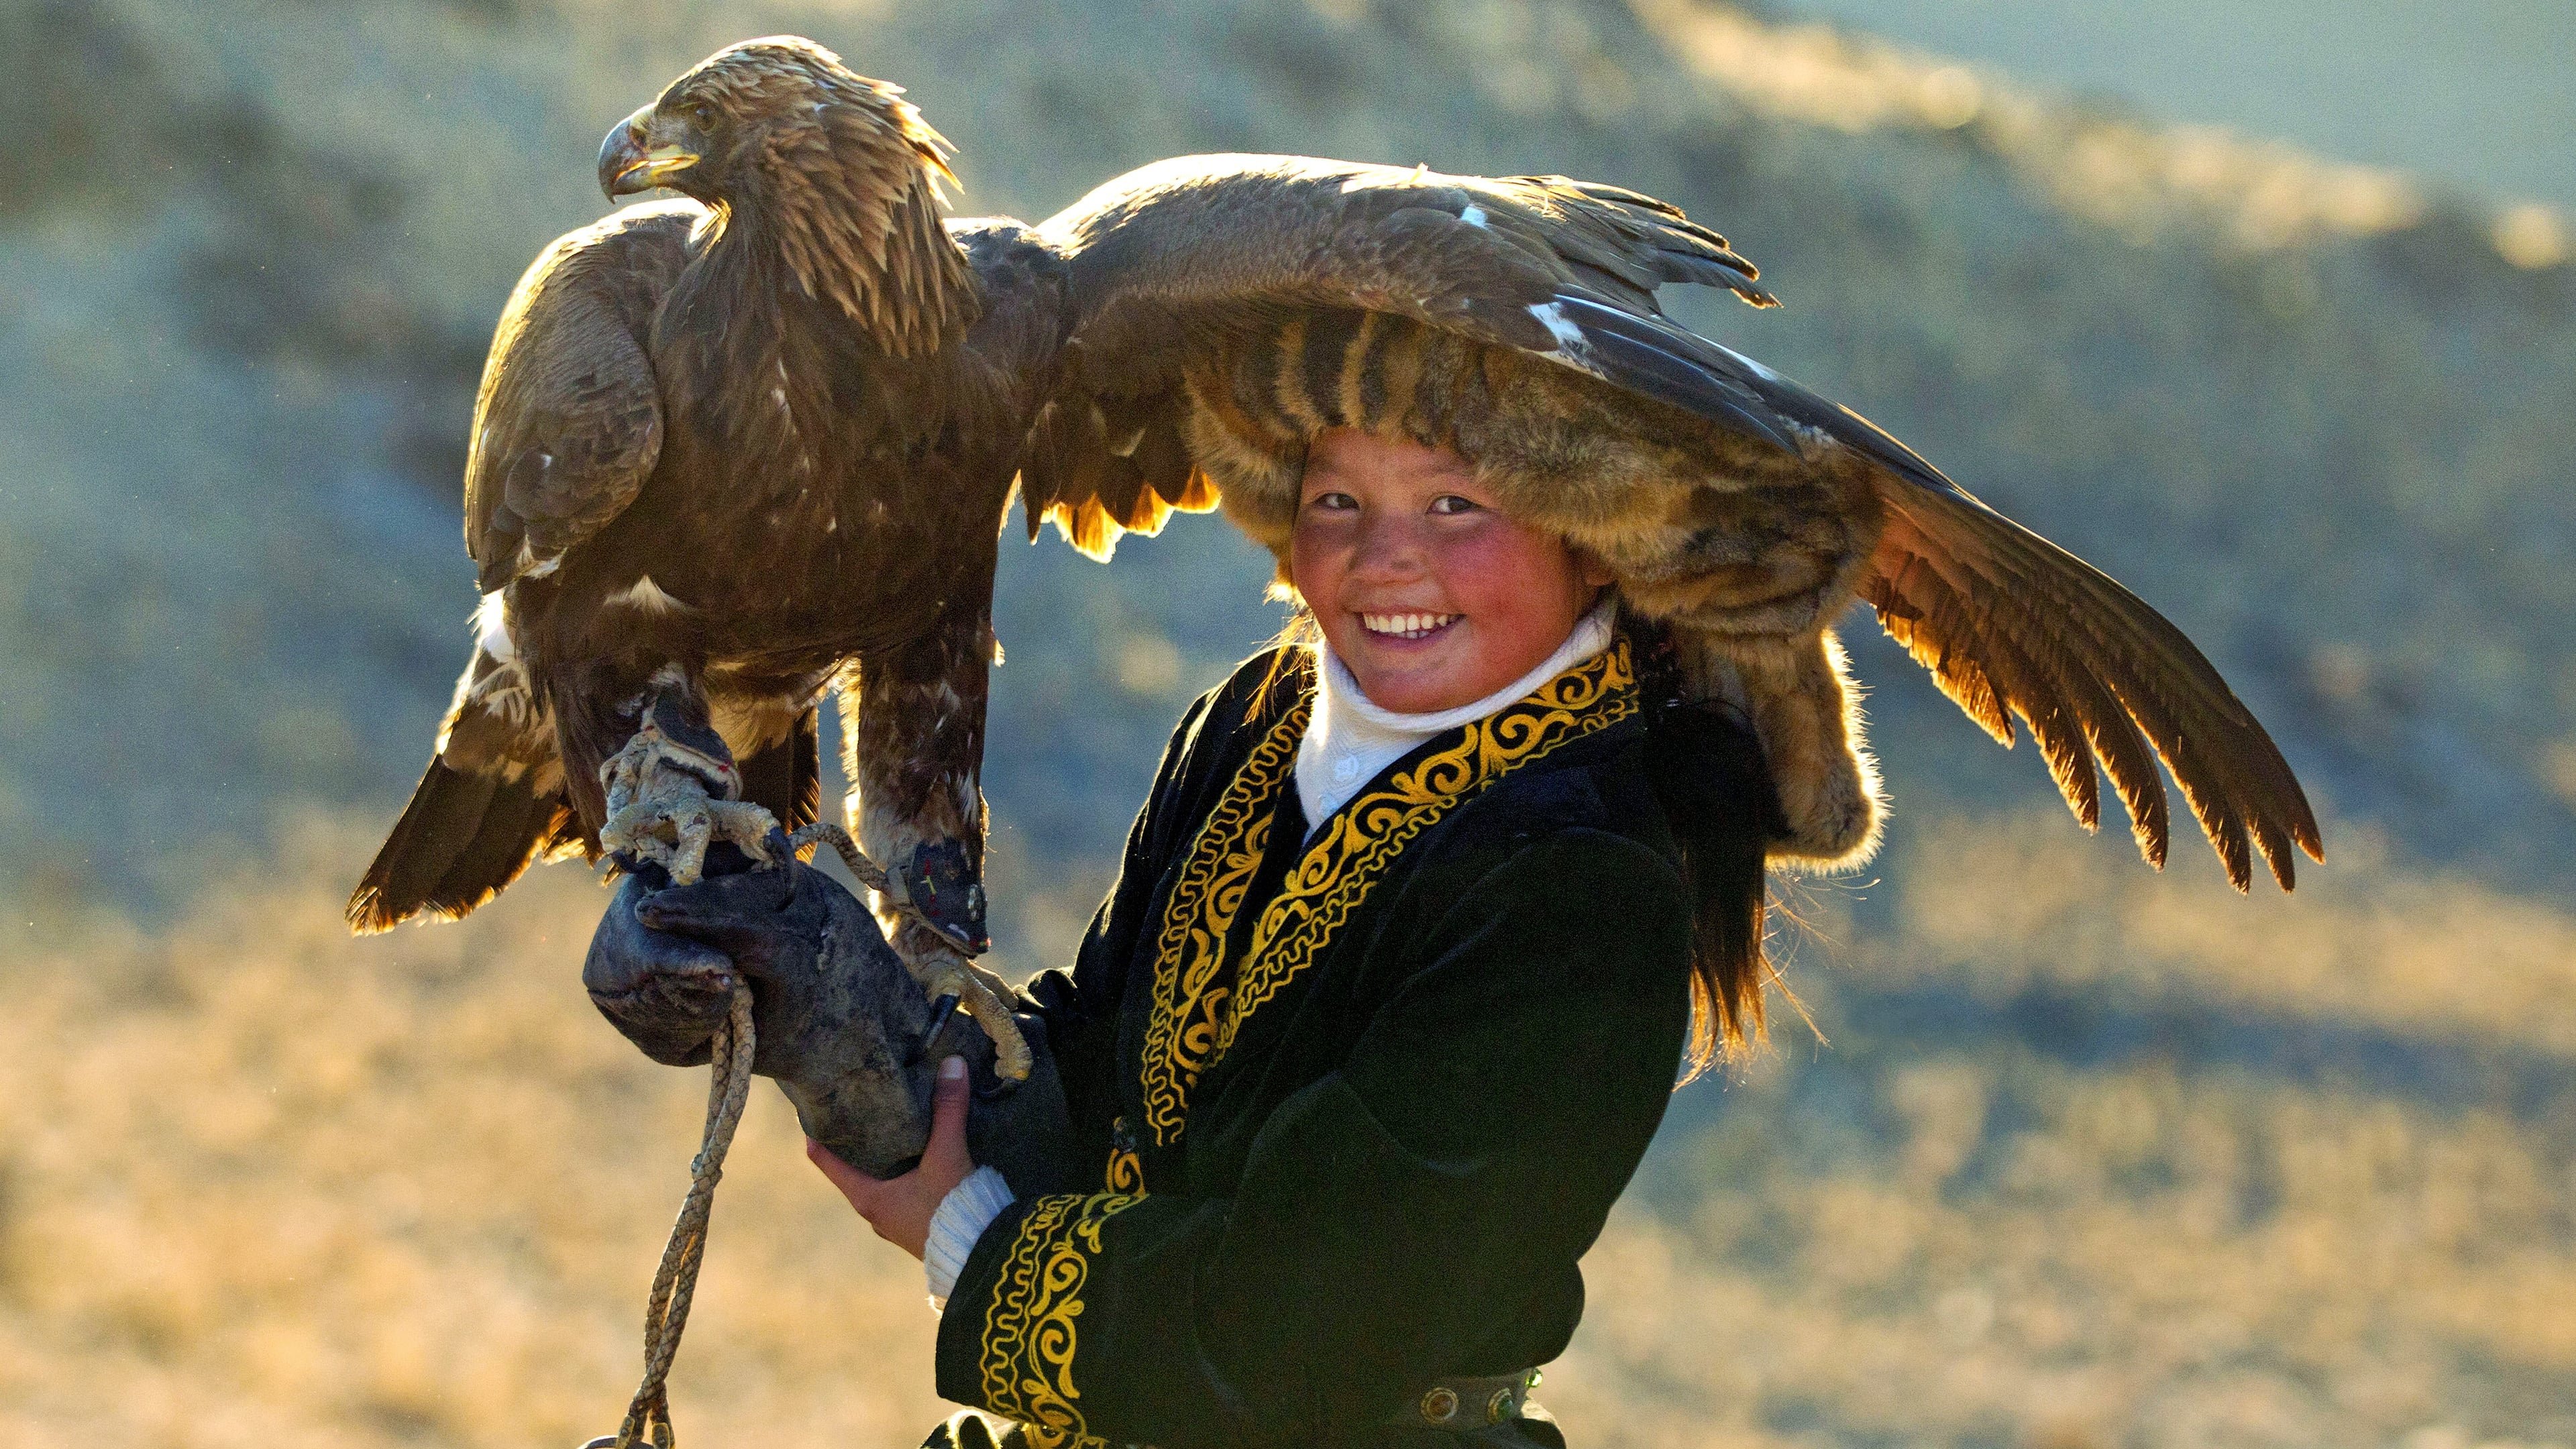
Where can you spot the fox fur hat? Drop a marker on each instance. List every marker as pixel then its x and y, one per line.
pixel 1741 555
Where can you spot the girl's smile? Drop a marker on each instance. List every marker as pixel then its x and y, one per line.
pixel 1427 592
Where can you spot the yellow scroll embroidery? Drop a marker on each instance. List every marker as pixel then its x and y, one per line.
pixel 1030 1330
pixel 1194 1022
pixel 1184 1026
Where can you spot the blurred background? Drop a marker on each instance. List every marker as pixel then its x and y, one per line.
pixel 2269 311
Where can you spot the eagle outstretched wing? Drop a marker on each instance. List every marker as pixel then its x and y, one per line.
pixel 2011 624
pixel 568 419
pixel 1222 305
pixel 1172 257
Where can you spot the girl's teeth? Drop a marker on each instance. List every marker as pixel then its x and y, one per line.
pixel 1408 626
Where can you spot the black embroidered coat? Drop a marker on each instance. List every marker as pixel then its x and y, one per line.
pixel 1361 1098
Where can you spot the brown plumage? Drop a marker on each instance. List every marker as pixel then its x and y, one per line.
pixel 733 448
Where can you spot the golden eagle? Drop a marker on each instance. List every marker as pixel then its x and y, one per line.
pixel 728 452
pixel 733 449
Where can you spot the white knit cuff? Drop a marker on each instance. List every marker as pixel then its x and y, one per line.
pixel 962 1217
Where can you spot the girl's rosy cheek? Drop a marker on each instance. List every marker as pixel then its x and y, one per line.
pixel 1314 565
pixel 1498 571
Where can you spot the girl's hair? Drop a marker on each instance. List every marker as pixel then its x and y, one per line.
pixel 1709 776
pixel 1290 646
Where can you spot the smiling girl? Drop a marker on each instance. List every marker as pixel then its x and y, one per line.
pixel 1429 598
pixel 1409 944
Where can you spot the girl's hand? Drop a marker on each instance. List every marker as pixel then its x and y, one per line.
pixel 899 1208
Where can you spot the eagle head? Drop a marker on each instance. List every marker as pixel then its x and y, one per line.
pixel 836 170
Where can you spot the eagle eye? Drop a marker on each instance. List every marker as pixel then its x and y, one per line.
pixel 700 113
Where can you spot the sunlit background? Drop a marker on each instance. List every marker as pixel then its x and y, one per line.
pixel 2267 310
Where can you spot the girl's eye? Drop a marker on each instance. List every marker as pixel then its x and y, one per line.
pixel 1332 502
pixel 1452 503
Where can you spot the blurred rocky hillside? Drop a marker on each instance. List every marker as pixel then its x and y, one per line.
pixel 2091 1157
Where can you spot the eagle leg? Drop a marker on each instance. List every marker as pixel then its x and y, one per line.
pixel 980 992
pixel 942 931
pixel 672 793
pixel 913 729
pixel 935 956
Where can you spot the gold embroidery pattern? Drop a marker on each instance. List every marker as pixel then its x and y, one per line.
pixel 1029 1331
pixel 1187 1015
pixel 1337 873
pixel 1193 1025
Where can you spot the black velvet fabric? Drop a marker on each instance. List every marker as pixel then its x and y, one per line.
pixel 1391 1173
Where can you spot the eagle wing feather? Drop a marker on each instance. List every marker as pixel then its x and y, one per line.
pixel 2010 624
pixel 568 420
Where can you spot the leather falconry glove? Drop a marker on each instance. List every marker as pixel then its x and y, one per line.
pixel 842 1026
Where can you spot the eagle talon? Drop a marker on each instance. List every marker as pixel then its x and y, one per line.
pixel 935 955
pixel 660 810
pixel 979 992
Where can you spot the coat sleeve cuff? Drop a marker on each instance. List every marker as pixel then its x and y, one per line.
pixel 959 1222
pixel 1007 1341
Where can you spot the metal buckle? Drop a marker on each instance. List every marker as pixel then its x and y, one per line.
pixel 1440 1406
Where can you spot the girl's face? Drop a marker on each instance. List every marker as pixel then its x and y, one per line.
pixel 1429 595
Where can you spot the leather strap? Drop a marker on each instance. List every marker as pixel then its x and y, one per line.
pixel 1463 1402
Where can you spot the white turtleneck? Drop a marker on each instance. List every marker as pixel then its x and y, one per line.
pixel 1350 737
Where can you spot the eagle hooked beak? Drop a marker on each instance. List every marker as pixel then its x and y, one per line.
pixel 627 165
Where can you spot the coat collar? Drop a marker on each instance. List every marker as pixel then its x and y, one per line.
pixel 1202 993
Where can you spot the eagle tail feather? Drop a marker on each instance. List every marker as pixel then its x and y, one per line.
pixel 463 837
pixel 504 843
